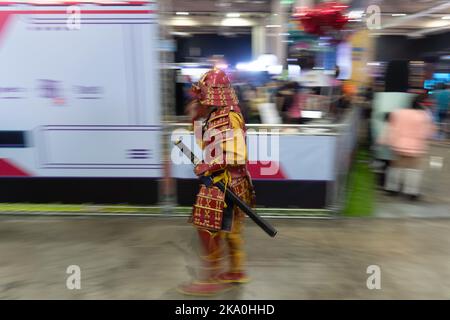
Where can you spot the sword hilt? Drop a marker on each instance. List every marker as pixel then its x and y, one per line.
pixel 188 153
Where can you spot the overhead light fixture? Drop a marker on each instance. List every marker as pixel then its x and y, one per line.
pixel 223 4
pixel 438 24
pixel 356 14
pixel 235 22
pixel 182 22
pixel 273 26
pixel 233 15
pixel 182 13
pixel 439 8
pixel 398 14
pixel 181 34
pixel 446 17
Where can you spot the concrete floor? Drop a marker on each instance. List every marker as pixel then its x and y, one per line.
pixel 146 258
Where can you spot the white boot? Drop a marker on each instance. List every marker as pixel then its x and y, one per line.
pixel 412 181
pixel 393 179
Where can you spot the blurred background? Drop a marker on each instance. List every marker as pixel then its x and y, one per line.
pixel 354 95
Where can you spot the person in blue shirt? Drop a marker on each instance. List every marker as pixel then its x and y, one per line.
pixel 442 101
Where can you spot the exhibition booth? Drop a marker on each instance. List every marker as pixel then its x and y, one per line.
pixel 292 166
pixel 98 126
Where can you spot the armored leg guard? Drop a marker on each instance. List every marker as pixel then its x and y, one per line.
pixel 235 243
pixel 212 254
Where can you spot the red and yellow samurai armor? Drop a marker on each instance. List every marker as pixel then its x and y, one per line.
pixel 219 223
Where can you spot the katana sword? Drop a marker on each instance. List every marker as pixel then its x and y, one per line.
pixel 229 194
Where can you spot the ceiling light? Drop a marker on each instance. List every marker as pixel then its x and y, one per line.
pixel 446 17
pixel 398 14
pixel 182 22
pixel 438 24
pixel 356 14
pixel 273 26
pixel 181 34
pixel 233 15
pixel 235 22
pixel 182 13
pixel 223 4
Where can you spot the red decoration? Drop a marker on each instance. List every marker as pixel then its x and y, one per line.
pixel 323 18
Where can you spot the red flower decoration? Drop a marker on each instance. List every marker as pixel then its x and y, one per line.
pixel 323 18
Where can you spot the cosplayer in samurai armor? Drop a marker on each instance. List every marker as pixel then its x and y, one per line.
pixel 219 223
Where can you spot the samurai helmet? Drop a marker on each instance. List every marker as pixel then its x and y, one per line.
pixel 214 89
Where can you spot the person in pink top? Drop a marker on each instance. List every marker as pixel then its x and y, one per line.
pixel 407 135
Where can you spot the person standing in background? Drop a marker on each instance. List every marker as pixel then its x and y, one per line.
pixel 406 134
pixel 442 103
